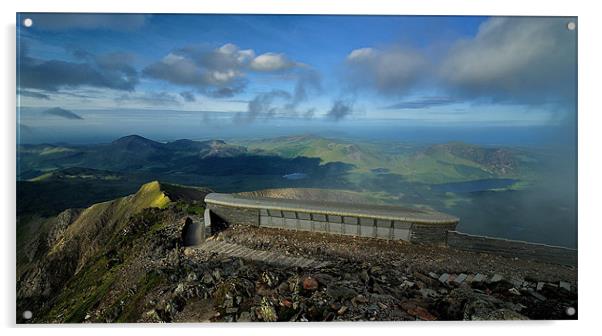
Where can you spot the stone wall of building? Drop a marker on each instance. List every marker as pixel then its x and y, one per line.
pixel 334 224
pixel 343 225
pixel 430 233
pixel 512 248
pixel 236 215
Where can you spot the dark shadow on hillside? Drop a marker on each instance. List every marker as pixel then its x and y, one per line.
pixel 261 165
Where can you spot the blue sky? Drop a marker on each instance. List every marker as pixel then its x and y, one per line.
pixel 423 70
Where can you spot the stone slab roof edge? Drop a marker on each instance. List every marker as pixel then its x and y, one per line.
pixel 429 217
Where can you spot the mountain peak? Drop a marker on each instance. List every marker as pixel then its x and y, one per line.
pixel 133 138
pixel 137 143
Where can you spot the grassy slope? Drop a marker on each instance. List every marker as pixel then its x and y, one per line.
pixel 95 231
pixel 101 280
pixel 441 167
pixel 110 216
pixel 415 165
pixel 364 156
pixel 78 174
pixel 92 225
pixel 50 193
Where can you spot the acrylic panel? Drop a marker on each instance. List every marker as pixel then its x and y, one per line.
pixel 262 168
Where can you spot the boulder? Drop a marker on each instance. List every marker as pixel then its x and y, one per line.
pixel 340 292
pixel 310 283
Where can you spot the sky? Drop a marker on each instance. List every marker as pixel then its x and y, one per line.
pixel 121 73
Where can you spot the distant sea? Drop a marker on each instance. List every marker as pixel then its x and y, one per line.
pixel 106 126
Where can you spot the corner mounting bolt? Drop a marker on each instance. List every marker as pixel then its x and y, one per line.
pixel 571 25
pixel 27 315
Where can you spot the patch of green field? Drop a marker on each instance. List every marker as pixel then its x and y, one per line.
pixel 520 185
pixel 55 150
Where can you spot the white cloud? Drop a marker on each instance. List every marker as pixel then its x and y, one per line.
pixel 393 71
pixel 223 77
pixel 171 59
pixel 245 55
pixel 216 72
pixel 359 54
pixel 522 59
pixel 269 62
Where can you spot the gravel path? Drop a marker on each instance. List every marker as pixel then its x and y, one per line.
pixel 399 254
pixel 239 251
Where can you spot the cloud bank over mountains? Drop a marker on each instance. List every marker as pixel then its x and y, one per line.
pixel 111 71
pixel 510 60
pixel 515 60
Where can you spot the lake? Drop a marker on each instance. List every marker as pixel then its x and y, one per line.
pixel 295 176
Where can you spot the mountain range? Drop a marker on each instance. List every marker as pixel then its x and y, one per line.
pixel 438 163
pixel 54 177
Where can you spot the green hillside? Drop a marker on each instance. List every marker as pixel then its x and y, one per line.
pixel 450 162
pixel 71 262
pixel 77 173
pixel 364 156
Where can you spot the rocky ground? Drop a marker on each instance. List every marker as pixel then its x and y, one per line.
pixel 365 280
pixel 398 254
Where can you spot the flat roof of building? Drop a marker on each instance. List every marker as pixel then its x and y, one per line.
pixel 388 212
